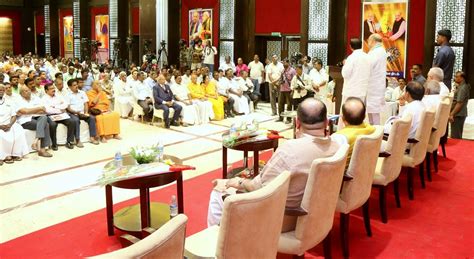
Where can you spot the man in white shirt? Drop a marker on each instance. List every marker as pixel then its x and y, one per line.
pixel 190 110
pixel 432 98
pixel 209 52
pixel 71 74
pixel 56 109
pixel 144 96
pixel 319 78
pixel 186 78
pixel 275 73
pixel 227 64
pixel 123 95
pixel 257 73
pixel 356 72
pixel 300 85
pixel 78 110
pixel 35 91
pixel 399 91
pixel 377 80
pixel 60 89
pixel 31 115
pixel 223 86
pixel 241 105
pixel 248 88
pixel 437 75
pixel 9 94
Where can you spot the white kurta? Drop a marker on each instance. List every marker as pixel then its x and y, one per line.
pixel 241 104
pixel 12 142
pixel 356 73
pixel 300 85
pixel 377 80
pixel 189 113
pixel 415 108
pixel 123 94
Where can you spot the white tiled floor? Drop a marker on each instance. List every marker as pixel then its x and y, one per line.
pixel 36 186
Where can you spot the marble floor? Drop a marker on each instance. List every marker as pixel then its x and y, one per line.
pixel 66 184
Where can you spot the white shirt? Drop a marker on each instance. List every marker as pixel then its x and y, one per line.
pixel 244 85
pixel 356 73
pixel 303 83
pixel 77 100
pixel 180 92
pixel 317 77
pixel 64 92
pixel 7 111
pixel 141 91
pixel 209 53
pixel 432 101
pixel 123 92
pixel 224 66
pixel 377 79
pixel 397 93
pixel 185 80
pixel 224 85
pixel 54 104
pixel 34 102
pixel 256 70
pixel 415 108
pixel 443 89
pixel 275 71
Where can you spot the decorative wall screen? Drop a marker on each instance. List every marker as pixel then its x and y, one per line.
pixel 318 29
pixel 77 28
pixel 293 46
pixel 273 48
pixel 113 27
pixel 318 50
pixel 451 14
pixel 47 30
pixel 226 29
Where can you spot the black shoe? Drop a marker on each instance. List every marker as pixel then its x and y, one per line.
pixel 54 147
pixel 167 126
pixel 279 119
pixel 231 115
pixel 69 145
pixel 174 123
pixel 287 121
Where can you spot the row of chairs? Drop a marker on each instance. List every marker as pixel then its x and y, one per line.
pixel 249 222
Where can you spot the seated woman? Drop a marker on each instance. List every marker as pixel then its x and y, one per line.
pixel 198 96
pixel 12 136
pixel 213 97
pixel 108 123
pixel 190 110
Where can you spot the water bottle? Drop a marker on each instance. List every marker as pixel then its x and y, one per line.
pixel 173 207
pixel 160 150
pixel 232 130
pixel 118 159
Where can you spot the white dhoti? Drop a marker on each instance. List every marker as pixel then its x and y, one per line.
pixel 123 106
pixel 189 113
pixel 205 111
pixel 216 205
pixel 13 142
pixel 241 104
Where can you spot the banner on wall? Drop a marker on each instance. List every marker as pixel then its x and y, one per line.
pixel 389 19
pixel 68 30
pixel 200 24
pixel 102 36
pixel 6 36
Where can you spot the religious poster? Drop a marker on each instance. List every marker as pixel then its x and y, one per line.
pixel 68 30
pixel 389 19
pixel 6 36
pixel 200 24
pixel 102 37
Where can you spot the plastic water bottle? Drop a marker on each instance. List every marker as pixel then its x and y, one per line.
pixel 173 207
pixel 118 159
pixel 232 130
pixel 160 149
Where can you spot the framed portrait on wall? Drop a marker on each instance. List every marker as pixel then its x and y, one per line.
pixel 102 36
pixel 200 24
pixel 68 30
pixel 389 19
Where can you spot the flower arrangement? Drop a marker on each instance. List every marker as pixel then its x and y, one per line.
pixel 144 155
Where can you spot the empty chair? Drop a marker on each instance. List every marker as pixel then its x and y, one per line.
pixel 317 207
pixel 417 152
pixel 250 225
pixel 389 163
pixel 356 191
pixel 166 242
pixel 441 119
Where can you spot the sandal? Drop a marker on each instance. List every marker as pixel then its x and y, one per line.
pixel 35 145
pixel 17 158
pixel 8 160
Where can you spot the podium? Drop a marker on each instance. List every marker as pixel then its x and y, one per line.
pixel 335 74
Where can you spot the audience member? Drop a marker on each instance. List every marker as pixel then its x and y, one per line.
pixel 445 56
pixel 275 73
pixel 223 87
pixel 210 89
pixel 144 96
pixel 284 96
pixel 227 64
pixel 459 108
pixel 164 100
pixel 300 86
pixel 416 74
pixel 240 67
pixel 257 73
pixel 189 113
pixel 356 72
pixel 198 96
pixel 123 95
pixel 432 99
pixel 437 75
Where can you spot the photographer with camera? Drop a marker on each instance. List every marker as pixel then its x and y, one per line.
pixel 209 52
pixel 300 85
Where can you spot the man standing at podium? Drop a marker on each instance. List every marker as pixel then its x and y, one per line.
pixel 356 72
pixel 377 80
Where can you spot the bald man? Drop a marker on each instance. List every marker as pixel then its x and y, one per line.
pixel 378 74
pixel 353 115
pixel 295 156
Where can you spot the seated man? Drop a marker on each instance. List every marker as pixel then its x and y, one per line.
pixel 432 96
pixel 31 115
pixel 295 156
pixel 56 110
pixel 353 115
pixel 143 94
pixel 12 136
pixel 190 110
pixel 437 75
pixel 413 95
pixel 164 100
pixel 247 87
pixel 78 109
pixel 223 90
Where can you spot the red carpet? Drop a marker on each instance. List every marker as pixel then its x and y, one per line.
pixel 437 224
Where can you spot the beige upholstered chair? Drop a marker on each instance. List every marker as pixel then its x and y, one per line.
pixel 417 152
pixel 389 162
pixel 319 204
pixel 250 225
pixel 441 119
pixel 137 111
pixel 356 191
pixel 158 113
pixel 166 242
pixel 450 99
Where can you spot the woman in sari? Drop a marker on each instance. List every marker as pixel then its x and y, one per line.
pixel 108 123
pixel 217 101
